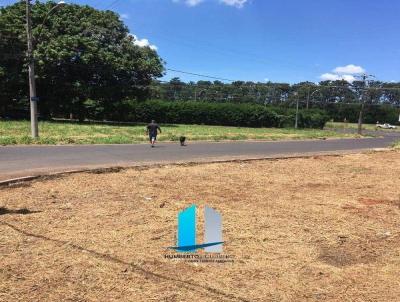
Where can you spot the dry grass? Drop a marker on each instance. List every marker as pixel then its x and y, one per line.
pixel 318 229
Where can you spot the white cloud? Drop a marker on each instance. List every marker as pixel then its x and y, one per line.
pixel 349 69
pixel 124 16
pixel 336 77
pixel 236 3
pixel 189 2
pixel 266 80
pixel 143 42
pixel 193 2
pixel 329 77
pixel 348 78
pixel 346 73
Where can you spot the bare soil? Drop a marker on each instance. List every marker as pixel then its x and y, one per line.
pixel 317 229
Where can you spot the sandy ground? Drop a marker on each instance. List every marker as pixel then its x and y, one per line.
pixel 317 229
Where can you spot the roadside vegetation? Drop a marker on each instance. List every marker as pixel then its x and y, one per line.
pixel 18 132
pixel 336 126
pixel 208 113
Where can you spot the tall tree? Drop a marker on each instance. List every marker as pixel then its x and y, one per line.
pixel 81 53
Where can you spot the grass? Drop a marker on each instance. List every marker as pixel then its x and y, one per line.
pixel 18 132
pixel 336 125
pixel 306 229
pixel 372 127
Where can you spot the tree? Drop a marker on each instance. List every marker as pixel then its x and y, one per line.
pixel 81 53
pixel 12 47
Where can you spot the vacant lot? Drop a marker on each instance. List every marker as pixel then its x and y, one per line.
pixel 18 132
pixel 317 229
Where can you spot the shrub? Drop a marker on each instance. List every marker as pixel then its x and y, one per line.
pixel 224 114
pixel 372 113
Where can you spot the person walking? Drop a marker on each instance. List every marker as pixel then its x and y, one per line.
pixel 152 130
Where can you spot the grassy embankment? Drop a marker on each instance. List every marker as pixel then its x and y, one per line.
pixel 335 125
pixel 18 132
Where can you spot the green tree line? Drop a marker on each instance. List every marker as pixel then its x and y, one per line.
pixel 224 114
pixel 311 94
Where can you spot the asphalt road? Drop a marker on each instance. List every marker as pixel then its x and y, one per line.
pixel 17 161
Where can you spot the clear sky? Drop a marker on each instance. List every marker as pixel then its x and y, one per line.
pixel 259 40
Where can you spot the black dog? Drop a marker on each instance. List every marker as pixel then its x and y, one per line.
pixel 182 139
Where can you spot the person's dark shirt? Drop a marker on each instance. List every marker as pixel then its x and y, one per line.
pixel 152 128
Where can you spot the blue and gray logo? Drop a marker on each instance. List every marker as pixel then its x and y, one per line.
pixel 186 241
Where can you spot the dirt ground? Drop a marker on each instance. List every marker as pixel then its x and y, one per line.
pixel 315 229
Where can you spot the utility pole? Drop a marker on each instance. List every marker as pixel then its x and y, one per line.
pixel 296 123
pixel 364 79
pixel 33 99
pixel 31 73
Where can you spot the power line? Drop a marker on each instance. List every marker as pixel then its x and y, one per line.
pixel 206 47
pixel 254 85
pixel 115 2
pixel 200 75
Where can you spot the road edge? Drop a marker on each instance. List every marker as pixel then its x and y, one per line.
pixel 112 169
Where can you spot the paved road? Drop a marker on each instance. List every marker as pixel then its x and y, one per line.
pixel 17 161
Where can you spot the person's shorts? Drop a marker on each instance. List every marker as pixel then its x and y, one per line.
pixel 151 136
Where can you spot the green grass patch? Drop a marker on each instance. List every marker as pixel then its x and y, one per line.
pixel 51 133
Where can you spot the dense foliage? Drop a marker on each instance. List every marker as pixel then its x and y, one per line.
pixel 372 113
pixel 326 92
pixel 80 53
pixel 245 115
pixel 340 99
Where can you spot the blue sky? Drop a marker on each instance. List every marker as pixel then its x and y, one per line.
pixel 279 40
